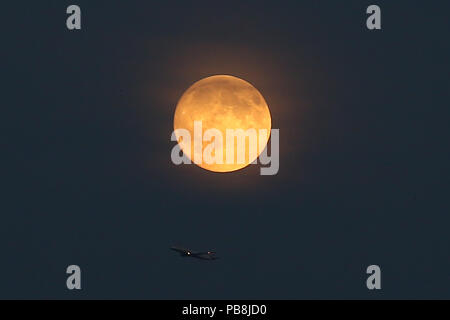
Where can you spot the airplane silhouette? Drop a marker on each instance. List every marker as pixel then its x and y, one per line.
pixel 208 255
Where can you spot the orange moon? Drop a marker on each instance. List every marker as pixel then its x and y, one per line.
pixel 222 102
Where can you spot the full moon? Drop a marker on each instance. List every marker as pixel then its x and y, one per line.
pixel 222 102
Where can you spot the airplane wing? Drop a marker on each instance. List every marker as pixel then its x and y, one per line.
pixel 179 250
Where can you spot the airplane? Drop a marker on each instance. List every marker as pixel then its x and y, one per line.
pixel 208 255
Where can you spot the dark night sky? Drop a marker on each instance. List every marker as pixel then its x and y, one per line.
pixel 364 176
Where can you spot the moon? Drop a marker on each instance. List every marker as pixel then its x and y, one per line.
pixel 223 102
